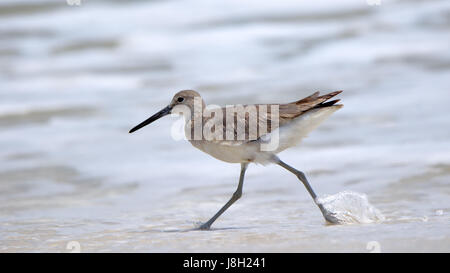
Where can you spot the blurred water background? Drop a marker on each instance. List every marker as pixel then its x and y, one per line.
pixel 75 79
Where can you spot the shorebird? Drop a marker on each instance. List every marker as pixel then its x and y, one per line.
pixel 289 122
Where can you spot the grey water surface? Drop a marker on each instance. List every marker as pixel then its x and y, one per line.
pixel 75 79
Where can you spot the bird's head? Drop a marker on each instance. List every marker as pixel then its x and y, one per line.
pixel 181 100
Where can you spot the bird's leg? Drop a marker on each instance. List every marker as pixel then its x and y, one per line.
pixel 329 217
pixel 236 195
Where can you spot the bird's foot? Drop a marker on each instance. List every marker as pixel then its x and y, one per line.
pixel 331 218
pixel 205 226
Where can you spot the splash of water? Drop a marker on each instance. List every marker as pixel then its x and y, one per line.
pixel 351 207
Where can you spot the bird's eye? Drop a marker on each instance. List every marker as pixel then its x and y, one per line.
pixel 180 99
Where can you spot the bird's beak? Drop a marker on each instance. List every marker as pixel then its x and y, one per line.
pixel 160 114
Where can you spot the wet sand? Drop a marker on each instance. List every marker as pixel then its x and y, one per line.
pixel 71 90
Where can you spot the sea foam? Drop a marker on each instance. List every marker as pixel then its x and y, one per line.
pixel 351 207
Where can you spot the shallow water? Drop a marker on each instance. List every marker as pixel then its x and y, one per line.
pixel 349 207
pixel 74 80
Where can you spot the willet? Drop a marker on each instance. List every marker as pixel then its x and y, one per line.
pixel 232 139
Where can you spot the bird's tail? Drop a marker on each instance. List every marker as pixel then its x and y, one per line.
pixel 291 134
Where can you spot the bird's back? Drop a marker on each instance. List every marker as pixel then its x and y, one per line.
pixel 240 138
pixel 272 115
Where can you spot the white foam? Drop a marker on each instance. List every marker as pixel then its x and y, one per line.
pixel 351 207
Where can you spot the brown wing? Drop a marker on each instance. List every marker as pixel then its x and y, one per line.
pixel 294 109
pixel 259 119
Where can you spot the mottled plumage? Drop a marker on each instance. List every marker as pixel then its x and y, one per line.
pixel 300 116
pixel 250 133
